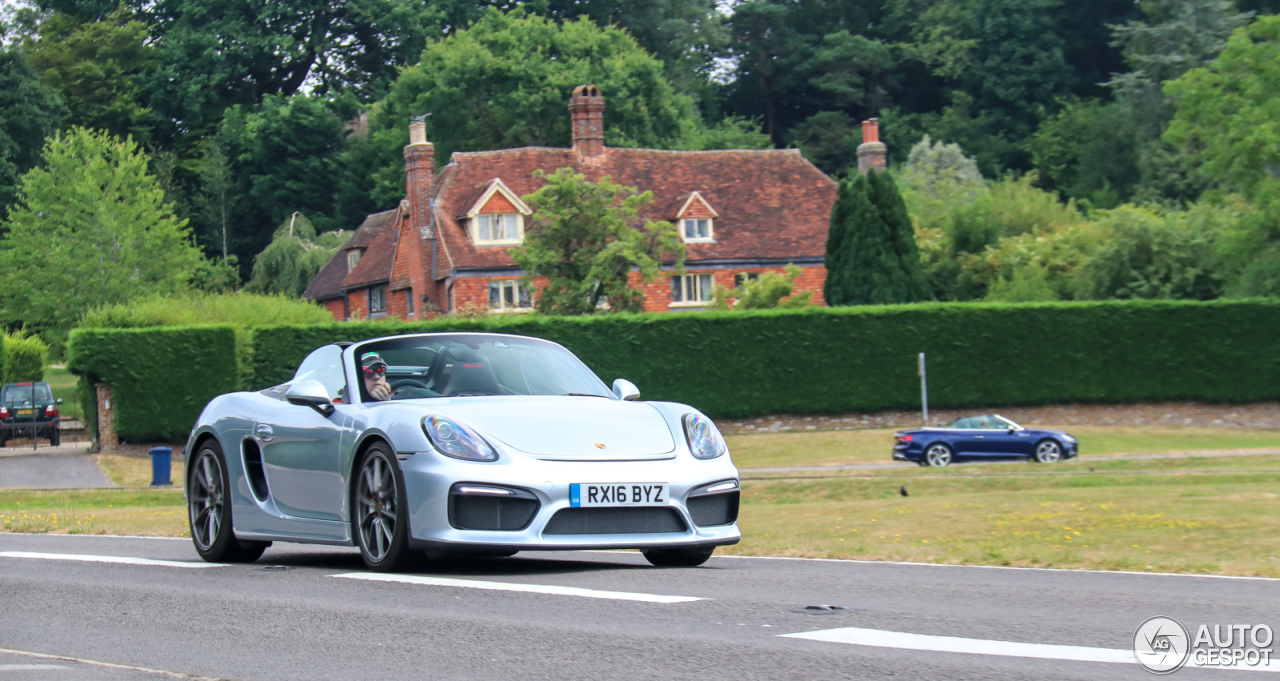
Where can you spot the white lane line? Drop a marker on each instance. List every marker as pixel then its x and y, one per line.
pixel 96 663
pixel 123 560
pixel 523 588
pixel 973 646
pixel 29 667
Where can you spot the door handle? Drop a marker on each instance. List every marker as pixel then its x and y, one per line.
pixel 264 432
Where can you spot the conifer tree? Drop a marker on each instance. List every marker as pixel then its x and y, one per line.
pixel 871 251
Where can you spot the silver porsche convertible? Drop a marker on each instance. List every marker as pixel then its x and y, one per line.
pixel 456 443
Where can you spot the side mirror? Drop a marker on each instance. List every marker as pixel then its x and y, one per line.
pixel 626 390
pixel 312 394
pixel 58 401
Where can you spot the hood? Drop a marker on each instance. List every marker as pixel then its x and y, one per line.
pixel 568 428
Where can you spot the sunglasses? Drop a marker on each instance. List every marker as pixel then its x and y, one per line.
pixel 379 370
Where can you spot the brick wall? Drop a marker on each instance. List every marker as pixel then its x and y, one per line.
pixel 108 442
pixel 1262 415
pixel 336 308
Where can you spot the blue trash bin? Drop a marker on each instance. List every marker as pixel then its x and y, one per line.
pixel 160 465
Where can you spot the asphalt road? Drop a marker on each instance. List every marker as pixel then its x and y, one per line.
pixel 310 613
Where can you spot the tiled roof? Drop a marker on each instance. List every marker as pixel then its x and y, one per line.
pixel 771 203
pixel 380 250
pixel 329 280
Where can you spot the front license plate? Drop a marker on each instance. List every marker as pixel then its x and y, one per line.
pixel 23 412
pixel 583 494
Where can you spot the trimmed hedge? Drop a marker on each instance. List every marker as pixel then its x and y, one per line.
pixel 23 358
pixel 835 360
pixel 161 378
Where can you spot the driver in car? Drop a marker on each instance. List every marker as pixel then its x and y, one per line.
pixel 375 376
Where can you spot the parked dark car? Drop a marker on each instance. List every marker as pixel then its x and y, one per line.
pixel 28 410
pixel 982 437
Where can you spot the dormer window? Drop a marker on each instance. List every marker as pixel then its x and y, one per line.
pixel 498 228
pixel 696 219
pixel 353 258
pixel 697 229
pixel 496 217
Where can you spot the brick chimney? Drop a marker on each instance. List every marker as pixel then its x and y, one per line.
pixel 420 173
pixel 872 152
pixel 586 111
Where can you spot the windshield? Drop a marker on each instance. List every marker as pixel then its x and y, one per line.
pixel 15 392
pixel 473 364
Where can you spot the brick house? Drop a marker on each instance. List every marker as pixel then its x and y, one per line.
pixel 445 247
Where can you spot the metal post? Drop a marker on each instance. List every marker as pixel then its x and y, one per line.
pixel 924 391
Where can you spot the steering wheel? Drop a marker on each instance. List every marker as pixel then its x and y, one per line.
pixel 408 383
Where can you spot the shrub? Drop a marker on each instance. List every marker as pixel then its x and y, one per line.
pixel 25 358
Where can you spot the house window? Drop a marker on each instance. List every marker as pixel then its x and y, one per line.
pixel 697 229
pixel 498 228
pixel 743 277
pixel 408 302
pixel 691 288
pixel 353 258
pixel 508 295
pixel 377 299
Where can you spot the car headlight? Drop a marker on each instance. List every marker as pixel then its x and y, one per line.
pixel 705 441
pixel 456 440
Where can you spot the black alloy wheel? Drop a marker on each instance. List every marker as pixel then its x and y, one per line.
pixel 209 510
pixel 381 522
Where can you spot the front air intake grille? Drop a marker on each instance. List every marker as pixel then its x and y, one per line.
pixel 714 509
pixel 615 521
pixel 491 513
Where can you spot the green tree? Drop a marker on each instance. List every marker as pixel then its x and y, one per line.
pixel 215 54
pixel 585 240
pixel 296 253
pixel 29 112
pixel 1178 36
pixel 1225 120
pixel 282 159
pixel 872 258
pixel 505 82
pixel 97 67
pixel 1146 254
pixel 91 227
pixel 770 290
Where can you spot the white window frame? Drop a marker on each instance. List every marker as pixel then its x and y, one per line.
pixel 408 302
pixel 353 258
pixel 699 285
pixel 488 218
pixel 523 297
pixel 685 223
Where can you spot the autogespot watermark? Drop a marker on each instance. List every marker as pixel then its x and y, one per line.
pixel 1163 646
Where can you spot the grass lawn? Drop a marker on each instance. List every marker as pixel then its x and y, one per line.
pixel 839 447
pixel 1212 515
pixel 63 383
pixel 1200 515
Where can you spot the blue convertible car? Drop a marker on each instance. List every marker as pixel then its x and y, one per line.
pixel 982 437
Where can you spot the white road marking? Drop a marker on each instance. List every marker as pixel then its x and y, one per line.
pixel 29 667
pixel 123 560
pixel 973 646
pixel 523 588
pixel 96 663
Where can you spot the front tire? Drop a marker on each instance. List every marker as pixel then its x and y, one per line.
pixel 938 455
pixel 209 510
pixel 381 523
pixel 678 557
pixel 1048 451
